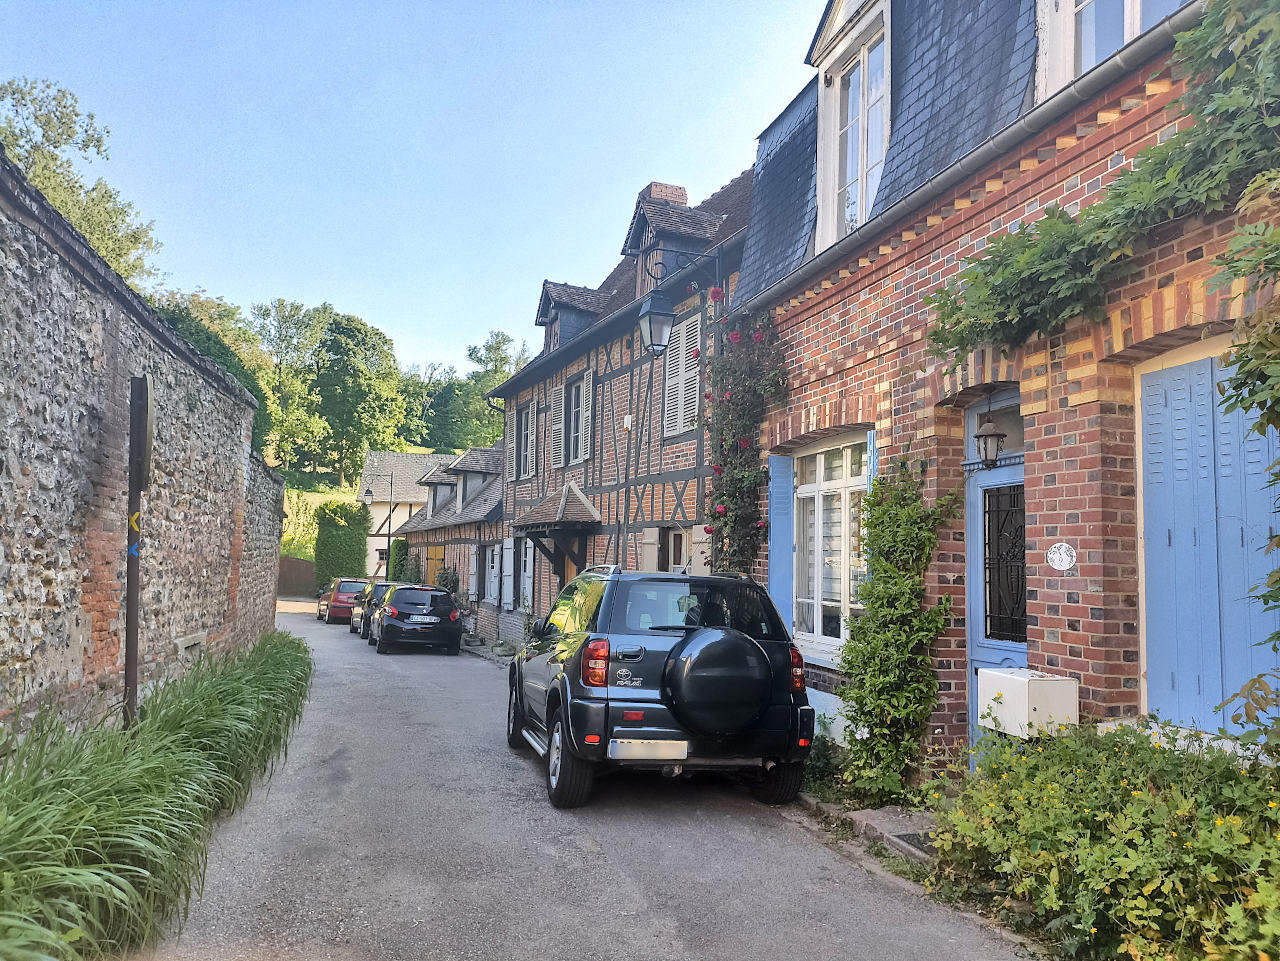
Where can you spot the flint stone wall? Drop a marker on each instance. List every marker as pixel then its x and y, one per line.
pixel 72 333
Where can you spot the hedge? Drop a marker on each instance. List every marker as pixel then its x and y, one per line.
pixel 342 541
pixel 104 833
pixel 398 565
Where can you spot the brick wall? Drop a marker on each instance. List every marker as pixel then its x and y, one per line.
pixel 71 335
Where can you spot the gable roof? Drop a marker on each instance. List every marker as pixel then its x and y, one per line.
pixel 581 298
pixel 436 476
pixel 668 218
pixel 568 505
pixel 382 467
pixel 480 460
pixel 485 505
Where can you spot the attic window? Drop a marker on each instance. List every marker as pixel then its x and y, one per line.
pixel 1077 35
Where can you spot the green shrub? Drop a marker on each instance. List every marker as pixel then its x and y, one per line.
pixel 298 533
pixel 103 833
pixel 397 563
pixel 1118 843
pixel 342 541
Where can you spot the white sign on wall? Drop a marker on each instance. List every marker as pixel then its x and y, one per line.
pixel 1061 556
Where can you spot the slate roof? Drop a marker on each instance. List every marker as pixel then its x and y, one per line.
pixel 668 218
pixel 437 475
pixel 568 505
pixel 486 505
pixel 582 298
pixel 481 460
pixel 407 469
pixel 784 197
pixel 961 73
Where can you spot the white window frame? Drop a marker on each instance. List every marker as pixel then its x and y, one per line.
pixel 1056 20
pixel 526 434
pixel 492 583
pixel 854 41
pixel 813 644
pixel 574 396
pixel 528 553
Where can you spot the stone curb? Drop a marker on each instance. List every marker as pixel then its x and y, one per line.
pixel 486 654
pixel 864 827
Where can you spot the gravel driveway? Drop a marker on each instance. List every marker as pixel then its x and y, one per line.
pixel 401 826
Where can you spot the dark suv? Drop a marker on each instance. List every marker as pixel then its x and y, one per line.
pixel 418 614
pixel 666 672
pixel 366 602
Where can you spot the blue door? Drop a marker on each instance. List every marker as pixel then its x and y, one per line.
pixel 1207 515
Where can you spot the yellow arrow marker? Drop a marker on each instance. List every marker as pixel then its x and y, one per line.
pixel 133 520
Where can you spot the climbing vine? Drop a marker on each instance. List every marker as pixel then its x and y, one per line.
pixel 1033 282
pixel 892 687
pixel 745 376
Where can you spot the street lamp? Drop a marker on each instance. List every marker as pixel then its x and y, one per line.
pixel 367 497
pixel 657 315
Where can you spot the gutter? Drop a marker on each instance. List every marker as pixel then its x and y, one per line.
pixel 1137 52
pixel 734 241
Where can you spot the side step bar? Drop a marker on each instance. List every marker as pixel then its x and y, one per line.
pixel 535 742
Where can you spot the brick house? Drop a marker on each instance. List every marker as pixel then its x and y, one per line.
pixel 392 478
pixel 929 128
pixel 604 441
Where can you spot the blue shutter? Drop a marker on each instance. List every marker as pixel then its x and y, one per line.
pixel 782 486
pixel 873 457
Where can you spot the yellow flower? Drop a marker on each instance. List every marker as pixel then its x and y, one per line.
pixel 1271 804
pixel 1175 834
pixel 1137 793
pixel 1219 820
pixel 1093 930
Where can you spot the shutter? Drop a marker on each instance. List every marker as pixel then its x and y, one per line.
pixel 557 426
pixel 474 586
pixel 700 553
pixel 671 394
pixel 510 440
pixel 782 488
pixel 509 574
pixel 649 549
pixel 531 438
pixel 526 575
pixel 873 457
pixel 588 402
pixel 692 382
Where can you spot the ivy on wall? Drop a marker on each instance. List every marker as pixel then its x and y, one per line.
pixel 745 376
pixel 342 539
pixel 1033 282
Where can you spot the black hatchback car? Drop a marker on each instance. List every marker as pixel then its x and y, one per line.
pixel 364 604
pixel 414 613
pixel 666 672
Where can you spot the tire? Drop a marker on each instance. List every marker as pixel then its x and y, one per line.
pixel 515 721
pixel 351 624
pixel 569 777
pixel 454 648
pixel 383 647
pixel 328 616
pixel 319 616
pixel 780 784
pixel 364 628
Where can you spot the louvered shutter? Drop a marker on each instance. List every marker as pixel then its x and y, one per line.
pixel 510 440
pixel 588 402
pixel 509 574
pixel 557 426
pixel 674 373
pixel 531 439
pixel 474 586
pixel 692 383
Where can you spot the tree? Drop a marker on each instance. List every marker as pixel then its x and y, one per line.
pixel 43 130
pixel 224 319
pixel 460 414
pixel 358 384
pixel 289 334
pixel 419 388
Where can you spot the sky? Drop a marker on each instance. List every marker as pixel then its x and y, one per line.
pixel 423 165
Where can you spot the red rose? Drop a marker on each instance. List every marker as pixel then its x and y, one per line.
pixel 758 336
pixel 707 395
pixel 735 336
pixel 728 394
pixel 716 294
pixel 759 523
pixel 709 529
pixel 744 442
pixel 721 509
pixel 696 353
pixel 717 469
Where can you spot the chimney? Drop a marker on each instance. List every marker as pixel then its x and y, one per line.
pixel 667 192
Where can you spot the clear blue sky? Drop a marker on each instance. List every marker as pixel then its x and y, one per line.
pixel 423 165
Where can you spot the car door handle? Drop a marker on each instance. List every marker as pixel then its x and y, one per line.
pixel 630 653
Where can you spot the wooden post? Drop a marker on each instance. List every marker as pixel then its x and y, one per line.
pixel 141 429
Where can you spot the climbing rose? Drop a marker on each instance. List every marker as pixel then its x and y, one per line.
pixel 728 394
pixel 744 442
pixel 759 523
pixel 709 529
pixel 716 294
pixel 758 336
pixel 707 395
pixel 717 469
pixel 721 509
pixel 696 353
pixel 735 336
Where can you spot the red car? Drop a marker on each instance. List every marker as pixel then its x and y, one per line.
pixel 335 603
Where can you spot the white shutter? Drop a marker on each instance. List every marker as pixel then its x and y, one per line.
pixel 557 426
pixel 508 573
pixel 510 440
pixel 588 402
pixel 700 551
pixel 474 586
pixel 692 381
pixel 671 393
pixel 649 549
pixel 526 575
pixel 531 438
pixel 492 580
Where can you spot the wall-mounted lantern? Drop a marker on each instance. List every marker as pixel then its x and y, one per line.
pixel 989 440
pixel 657 315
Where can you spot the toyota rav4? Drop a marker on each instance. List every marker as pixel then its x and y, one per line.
pixel 666 672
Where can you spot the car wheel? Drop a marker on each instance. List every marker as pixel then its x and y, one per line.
pixel 383 647
pixel 351 624
pixel 515 721
pixel 369 636
pixel 780 784
pixel 319 613
pixel 454 648
pixel 364 628
pixel 569 777
pixel 328 615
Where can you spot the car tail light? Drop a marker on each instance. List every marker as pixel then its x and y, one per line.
pixel 797 670
pixel 633 715
pixel 391 611
pixel 595 663
pixel 453 614
pixel 592 738
pixel 803 742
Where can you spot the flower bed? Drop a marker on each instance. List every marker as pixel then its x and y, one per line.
pixel 103 832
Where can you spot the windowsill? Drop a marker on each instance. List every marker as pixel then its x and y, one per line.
pixel 820 651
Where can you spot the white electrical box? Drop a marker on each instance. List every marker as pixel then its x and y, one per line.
pixel 1022 702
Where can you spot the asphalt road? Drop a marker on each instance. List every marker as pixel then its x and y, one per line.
pixel 402 827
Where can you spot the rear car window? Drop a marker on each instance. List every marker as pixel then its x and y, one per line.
pixel 378 590
pixel 645 604
pixel 347 587
pixel 434 598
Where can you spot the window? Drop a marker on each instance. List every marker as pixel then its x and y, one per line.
pixel 683 386
pixel 573 421
pixel 491 556
pixel 672 549
pixel 1080 34
pixel 576 608
pixel 864 123
pixel 703 603
pixel 830 564
pixel 527 441
pixel 1005 564
pixel 524 576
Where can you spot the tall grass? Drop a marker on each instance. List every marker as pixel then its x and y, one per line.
pixel 103 833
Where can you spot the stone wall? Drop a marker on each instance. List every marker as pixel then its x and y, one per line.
pixel 72 333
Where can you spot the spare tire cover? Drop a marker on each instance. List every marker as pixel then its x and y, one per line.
pixel 717 681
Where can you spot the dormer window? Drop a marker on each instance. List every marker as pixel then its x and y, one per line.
pixel 1080 34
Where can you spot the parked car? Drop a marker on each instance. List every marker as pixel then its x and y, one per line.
pixel 418 614
pixel 365 602
pixel 667 672
pixel 335 603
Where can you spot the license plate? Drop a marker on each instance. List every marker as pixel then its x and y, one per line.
pixel 423 619
pixel 636 749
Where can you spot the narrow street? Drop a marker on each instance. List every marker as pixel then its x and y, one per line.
pixel 402 827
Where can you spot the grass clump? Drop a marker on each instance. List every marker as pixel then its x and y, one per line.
pixel 103 832
pixel 1123 843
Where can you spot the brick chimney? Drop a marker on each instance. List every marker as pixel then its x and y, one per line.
pixel 668 192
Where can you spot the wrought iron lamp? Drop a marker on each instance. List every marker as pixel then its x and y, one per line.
pixel 989 440
pixel 657 315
